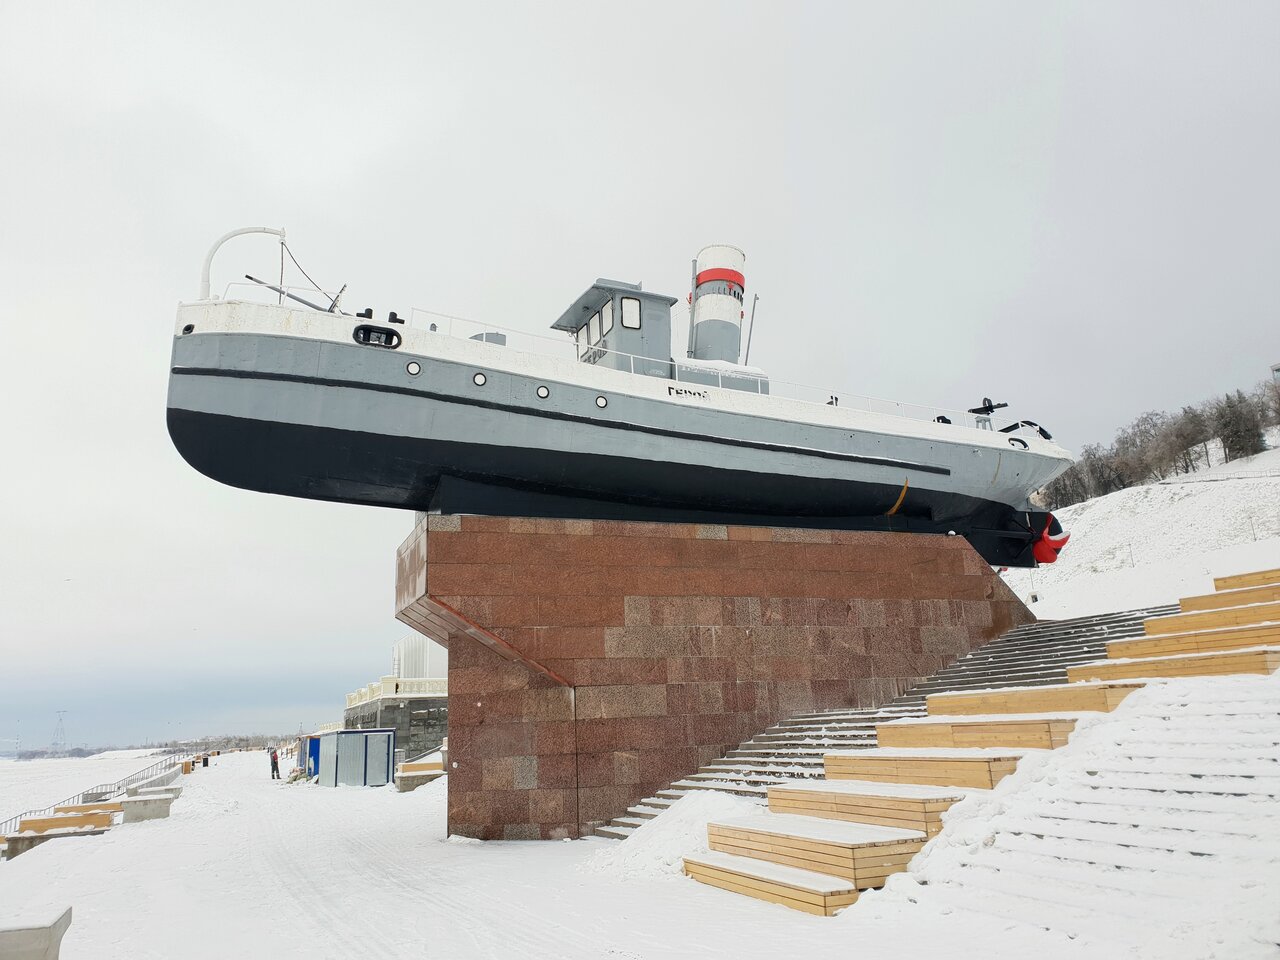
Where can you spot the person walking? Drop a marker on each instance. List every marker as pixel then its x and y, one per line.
pixel 275 764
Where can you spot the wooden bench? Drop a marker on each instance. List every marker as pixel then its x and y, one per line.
pixel 64 821
pixel 939 767
pixel 1074 697
pixel 103 806
pixel 863 854
pixel 1024 731
pixel 1212 619
pixel 906 806
pixel 1231 598
pixel 1258 660
pixel 421 766
pixel 1255 579
pixel 1203 641
pixel 804 890
pixel 35 940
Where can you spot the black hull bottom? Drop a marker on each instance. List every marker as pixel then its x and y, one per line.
pixel 474 478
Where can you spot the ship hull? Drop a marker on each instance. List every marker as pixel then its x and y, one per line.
pixel 323 420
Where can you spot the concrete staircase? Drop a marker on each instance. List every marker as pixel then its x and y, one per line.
pixel 1153 792
pixel 1035 654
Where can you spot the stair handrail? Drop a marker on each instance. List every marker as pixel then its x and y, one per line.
pixel 110 789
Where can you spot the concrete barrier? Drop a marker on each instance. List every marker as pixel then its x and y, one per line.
pixel 408 782
pixel 16 844
pixel 160 780
pixel 174 791
pixel 137 809
pixel 34 941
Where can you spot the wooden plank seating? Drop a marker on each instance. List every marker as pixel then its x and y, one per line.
pixel 1252 660
pixel 1255 579
pixel 421 766
pixel 1212 619
pixel 1036 731
pixel 1201 641
pixel 1262 593
pixel 104 806
pixel 63 821
pixel 936 766
pixel 805 890
pixel 858 852
pixel 1075 697
pixel 905 806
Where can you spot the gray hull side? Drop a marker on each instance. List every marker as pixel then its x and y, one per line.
pixel 322 385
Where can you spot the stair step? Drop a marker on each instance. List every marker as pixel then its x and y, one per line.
pixel 1256 660
pixel 906 806
pixel 1203 641
pixel 1262 593
pixel 1253 579
pixel 1075 697
pixel 863 854
pixel 643 812
pixel 1213 619
pixel 1045 731
pixel 982 768
pixel 806 890
pixel 617 833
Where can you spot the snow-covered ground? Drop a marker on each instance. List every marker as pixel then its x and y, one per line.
pixel 1155 543
pixel 247 866
pixel 30 784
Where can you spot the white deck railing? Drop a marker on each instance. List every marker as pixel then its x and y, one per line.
pixel 399 687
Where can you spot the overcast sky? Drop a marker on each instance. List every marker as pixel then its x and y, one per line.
pixel 1071 207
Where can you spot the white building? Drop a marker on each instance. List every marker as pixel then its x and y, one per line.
pixel 417 656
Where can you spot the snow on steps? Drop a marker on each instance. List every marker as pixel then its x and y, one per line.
pixel 1161 816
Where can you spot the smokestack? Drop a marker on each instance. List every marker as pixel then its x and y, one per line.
pixel 719 287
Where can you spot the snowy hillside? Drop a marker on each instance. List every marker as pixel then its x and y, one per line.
pixel 1152 544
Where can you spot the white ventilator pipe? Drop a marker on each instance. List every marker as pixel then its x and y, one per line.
pixel 208 260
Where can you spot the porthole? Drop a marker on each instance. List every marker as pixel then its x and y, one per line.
pixel 543 393
pixel 413 368
pixel 189 328
pixel 479 379
pixel 601 402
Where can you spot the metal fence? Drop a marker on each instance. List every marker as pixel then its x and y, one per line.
pixel 95 794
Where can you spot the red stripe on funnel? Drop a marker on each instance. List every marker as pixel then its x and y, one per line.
pixel 721 273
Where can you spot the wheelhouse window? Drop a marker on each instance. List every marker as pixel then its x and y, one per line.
pixel 606 318
pixel 594 337
pixel 582 339
pixel 631 313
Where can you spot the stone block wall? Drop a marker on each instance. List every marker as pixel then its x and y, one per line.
pixel 593 662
